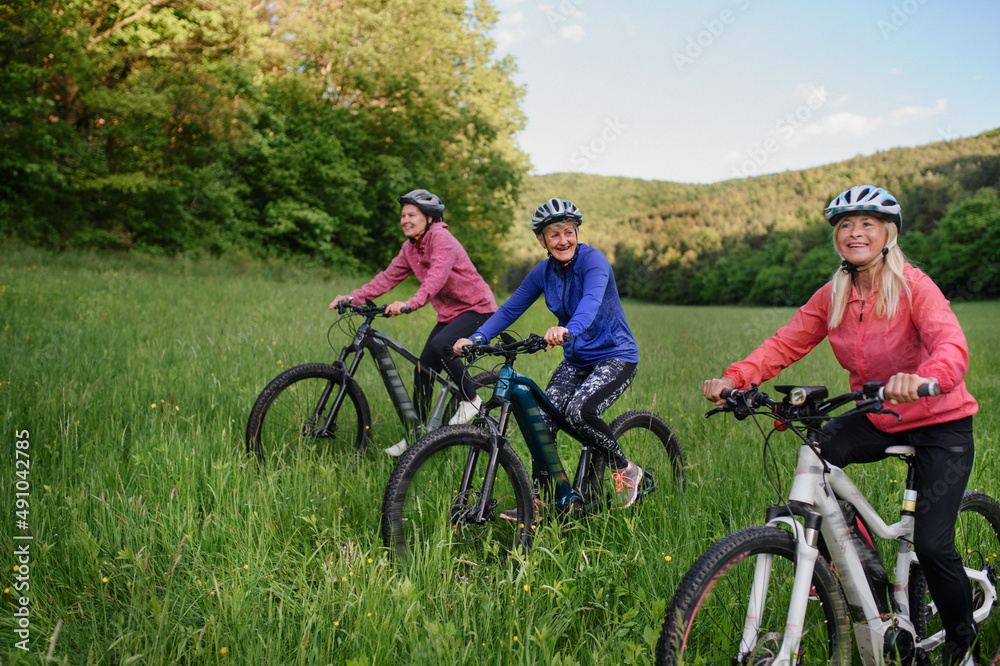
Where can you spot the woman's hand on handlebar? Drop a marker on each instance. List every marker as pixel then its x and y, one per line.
pixel 339 298
pixel 712 389
pixel 397 308
pixel 903 387
pixel 556 335
pixel 459 347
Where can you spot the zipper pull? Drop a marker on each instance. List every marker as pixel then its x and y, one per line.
pixel 862 317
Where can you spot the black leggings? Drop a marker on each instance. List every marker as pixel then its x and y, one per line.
pixel 942 463
pixel 583 394
pixel 437 356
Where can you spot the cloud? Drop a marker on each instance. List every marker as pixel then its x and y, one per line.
pixel 839 124
pixel 846 123
pixel 905 114
pixel 512 18
pixel 573 33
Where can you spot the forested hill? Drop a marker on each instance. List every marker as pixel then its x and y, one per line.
pixel 764 239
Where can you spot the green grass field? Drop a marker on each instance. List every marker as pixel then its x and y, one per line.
pixel 157 540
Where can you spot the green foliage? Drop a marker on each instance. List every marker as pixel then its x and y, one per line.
pixel 279 129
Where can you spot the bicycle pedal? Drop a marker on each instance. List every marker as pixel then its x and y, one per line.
pixel 647 485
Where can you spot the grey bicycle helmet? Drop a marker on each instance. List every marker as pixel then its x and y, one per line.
pixel 865 198
pixel 429 203
pixel 552 211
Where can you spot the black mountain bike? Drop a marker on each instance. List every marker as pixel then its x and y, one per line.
pixel 320 405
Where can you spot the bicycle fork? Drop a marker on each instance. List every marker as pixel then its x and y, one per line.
pixel 806 552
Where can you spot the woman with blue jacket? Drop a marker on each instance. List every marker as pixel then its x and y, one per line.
pixel 601 357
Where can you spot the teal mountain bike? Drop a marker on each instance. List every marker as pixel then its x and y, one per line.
pixel 457 487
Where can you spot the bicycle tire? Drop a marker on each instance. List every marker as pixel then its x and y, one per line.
pixel 284 415
pixel 648 441
pixel 422 507
pixel 704 623
pixel 977 538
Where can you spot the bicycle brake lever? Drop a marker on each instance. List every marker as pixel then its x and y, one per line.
pixel 713 412
pixel 883 410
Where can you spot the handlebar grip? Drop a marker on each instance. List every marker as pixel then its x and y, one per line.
pixel 406 310
pixel 725 393
pixel 567 336
pixel 929 390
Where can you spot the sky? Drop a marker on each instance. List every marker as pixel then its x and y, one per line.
pixel 701 92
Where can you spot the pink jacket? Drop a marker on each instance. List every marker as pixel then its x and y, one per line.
pixel 923 338
pixel 448 278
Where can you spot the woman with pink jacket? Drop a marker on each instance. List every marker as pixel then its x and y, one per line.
pixel 449 282
pixel 887 321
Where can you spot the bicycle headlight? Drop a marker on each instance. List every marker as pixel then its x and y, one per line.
pixel 798 396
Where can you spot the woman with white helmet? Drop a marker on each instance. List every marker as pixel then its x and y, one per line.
pixel 601 357
pixel 449 282
pixel 888 322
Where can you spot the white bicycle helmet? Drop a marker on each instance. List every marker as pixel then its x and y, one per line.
pixel 552 211
pixel 865 198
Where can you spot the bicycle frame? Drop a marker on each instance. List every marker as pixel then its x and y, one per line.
pixel 380 344
pixel 814 496
pixel 518 394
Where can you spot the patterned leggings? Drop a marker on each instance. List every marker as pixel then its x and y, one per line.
pixel 583 394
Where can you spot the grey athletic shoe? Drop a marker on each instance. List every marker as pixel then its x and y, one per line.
pixel 626 485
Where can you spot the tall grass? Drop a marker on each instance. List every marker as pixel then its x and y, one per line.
pixel 158 540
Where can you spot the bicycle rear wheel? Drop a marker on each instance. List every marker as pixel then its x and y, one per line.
pixel 977 538
pixel 649 442
pixel 291 411
pixel 705 622
pixel 427 508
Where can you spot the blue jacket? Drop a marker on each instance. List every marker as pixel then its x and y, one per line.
pixel 584 298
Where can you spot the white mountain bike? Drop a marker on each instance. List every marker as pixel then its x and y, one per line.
pixel 790 591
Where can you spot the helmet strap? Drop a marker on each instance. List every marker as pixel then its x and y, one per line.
pixel 848 267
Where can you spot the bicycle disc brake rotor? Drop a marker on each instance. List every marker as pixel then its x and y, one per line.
pixel 464 529
pixel 766 650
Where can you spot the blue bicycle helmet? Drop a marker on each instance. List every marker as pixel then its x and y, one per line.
pixel 865 198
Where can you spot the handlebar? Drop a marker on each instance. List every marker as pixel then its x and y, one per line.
pixel 369 309
pixel 510 347
pixel 809 403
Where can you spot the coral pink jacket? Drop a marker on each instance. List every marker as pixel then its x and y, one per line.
pixel 923 338
pixel 448 278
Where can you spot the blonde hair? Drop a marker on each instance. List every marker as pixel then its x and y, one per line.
pixel 889 278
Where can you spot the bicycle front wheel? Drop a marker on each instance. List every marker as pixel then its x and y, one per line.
pixel 977 538
pixel 291 413
pixel 433 492
pixel 708 618
pixel 649 442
